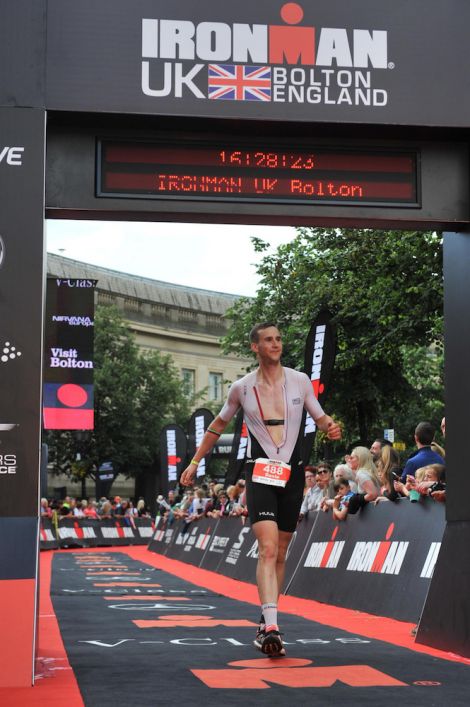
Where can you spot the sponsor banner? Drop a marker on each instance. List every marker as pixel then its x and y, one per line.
pixel 22 144
pixel 68 355
pixel 192 540
pixel 297 546
pixel 241 556
pixel 165 531
pixel 331 62
pixel 90 532
pixel 379 561
pixel 173 449
pixel 18 545
pixel 197 426
pixel 320 354
pixel 224 534
pixel 238 453
pixel 22 170
pixel 48 535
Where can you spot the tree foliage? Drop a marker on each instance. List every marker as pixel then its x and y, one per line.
pixel 385 291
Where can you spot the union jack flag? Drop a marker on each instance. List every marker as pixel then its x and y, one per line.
pixel 231 82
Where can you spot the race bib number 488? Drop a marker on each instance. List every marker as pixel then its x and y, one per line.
pixel 271 472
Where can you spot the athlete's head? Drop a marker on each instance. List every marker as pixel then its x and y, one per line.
pixel 266 343
pixel 255 332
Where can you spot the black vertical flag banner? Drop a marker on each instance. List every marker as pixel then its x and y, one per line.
pixel 320 354
pixel 68 359
pixel 238 453
pixel 173 448
pixel 197 425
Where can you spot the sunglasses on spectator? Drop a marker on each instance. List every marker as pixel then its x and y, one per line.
pixel 322 471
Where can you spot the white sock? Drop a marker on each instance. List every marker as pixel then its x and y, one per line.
pixel 270 614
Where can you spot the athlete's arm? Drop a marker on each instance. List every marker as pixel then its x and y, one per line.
pixel 210 438
pixel 208 441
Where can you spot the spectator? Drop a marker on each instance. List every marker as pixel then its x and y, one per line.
pixel 142 510
pixel 198 506
pixel 78 510
pixel 314 497
pixel 341 500
pixel 388 469
pixel 46 511
pixel 433 480
pixel 65 510
pixel 344 471
pixel 90 510
pixel 365 472
pixel 424 435
pixel 219 505
pixel 438 449
pixel 377 446
pixel 107 510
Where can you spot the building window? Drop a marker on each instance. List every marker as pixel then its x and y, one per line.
pixel 189 381
pixel 215 386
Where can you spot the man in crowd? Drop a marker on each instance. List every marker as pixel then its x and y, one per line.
pixel 273 398
pixel 376 448
pixel 424 456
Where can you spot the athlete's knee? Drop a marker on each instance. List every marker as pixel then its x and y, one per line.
pixel 268 550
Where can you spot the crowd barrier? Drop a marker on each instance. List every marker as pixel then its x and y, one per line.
pixel 87 532
pixel 379 561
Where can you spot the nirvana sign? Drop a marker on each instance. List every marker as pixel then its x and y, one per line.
pixel 366 61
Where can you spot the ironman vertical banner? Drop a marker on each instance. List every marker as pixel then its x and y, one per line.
pixel 320 354
pixel 68 355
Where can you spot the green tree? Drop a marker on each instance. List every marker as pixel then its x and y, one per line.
pixel 385 292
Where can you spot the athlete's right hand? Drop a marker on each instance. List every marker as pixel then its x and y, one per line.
pixel 188 475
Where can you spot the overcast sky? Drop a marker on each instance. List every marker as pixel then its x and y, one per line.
pixel 209 256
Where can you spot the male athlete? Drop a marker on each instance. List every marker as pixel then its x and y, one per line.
pixel 273 399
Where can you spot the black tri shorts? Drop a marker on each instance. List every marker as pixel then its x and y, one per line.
pixel 281 505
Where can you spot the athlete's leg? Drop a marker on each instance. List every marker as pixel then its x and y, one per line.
pixel 283 543
pixel 267 535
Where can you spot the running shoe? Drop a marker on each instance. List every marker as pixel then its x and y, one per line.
pixel 260 633
pixel 271 643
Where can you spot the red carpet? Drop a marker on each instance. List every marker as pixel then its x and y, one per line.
pixel 56 683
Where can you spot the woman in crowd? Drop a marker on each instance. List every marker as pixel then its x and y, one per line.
pixel 388 468
pixel 366 477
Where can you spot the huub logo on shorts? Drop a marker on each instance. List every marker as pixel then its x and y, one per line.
pixel 2 251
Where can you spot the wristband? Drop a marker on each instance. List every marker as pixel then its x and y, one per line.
pixel 214 432
pixel 194 461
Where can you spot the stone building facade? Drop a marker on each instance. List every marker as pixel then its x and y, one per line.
pixel 184 322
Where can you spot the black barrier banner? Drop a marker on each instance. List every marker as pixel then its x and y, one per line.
pixel 192 540
pixel 221 539
pixel 379 561
pixel 238 453
pixel 297 546
pixel 332 62
pixel 166 529
pixel 91 532
pixel 197 426
pixel 320 354
pixel 68 359
pixel 47 535
pixel 173 449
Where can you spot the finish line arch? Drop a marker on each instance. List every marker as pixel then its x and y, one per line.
pixel 274 113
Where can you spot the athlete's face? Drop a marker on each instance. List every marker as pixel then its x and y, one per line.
pixel 269 344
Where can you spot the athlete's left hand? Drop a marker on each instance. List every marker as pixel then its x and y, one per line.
pixel 334 431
